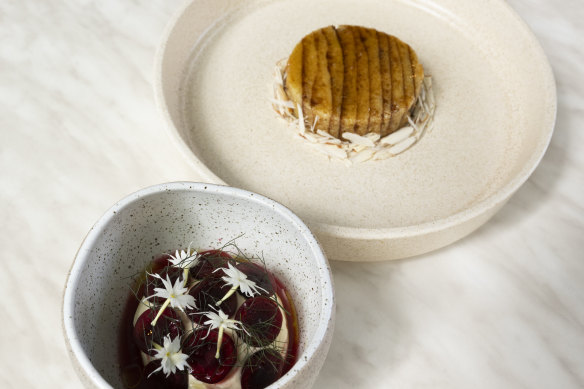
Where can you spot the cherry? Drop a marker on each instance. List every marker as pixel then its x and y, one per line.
pixel 201 349
pixel 261 369
pixel 260 276
pixel 262 319
pixel 206 294
pixel 208 262
pixel 168 324
pixel 159 380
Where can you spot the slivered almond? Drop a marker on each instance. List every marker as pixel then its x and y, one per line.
pixel 382 154
pixel 358 139
pixel 373 137
pixel 397 136
pixel 362 156
pixel 402 146
pixel 325 134
pixel 301 125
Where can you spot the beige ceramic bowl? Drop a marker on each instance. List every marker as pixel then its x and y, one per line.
pixel 163 217
pixel 496 104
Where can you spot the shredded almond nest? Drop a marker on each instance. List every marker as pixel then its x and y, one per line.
pixel 356 148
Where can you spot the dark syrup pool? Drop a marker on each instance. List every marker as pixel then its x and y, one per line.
pixel 135 375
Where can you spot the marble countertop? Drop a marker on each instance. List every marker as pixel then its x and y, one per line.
pixel 503 308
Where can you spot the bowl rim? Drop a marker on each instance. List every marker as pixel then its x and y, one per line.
pixel 499 197
pixel 327 314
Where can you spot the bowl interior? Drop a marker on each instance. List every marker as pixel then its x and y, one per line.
pixel 495 108
pixel 139 228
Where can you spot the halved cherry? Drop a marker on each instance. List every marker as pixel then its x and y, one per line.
pixel 206 294
pixel 168 324
pixel 208 262
pixel 201 349
pixel 261 369
pixel 261 318
pixel 260 276
pixel 154 282
pixel 158 380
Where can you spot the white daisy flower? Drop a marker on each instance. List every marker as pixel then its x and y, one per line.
pixel 171 356
pixel 184 259
pixel 175 295
pixel 221 321
pixel 238 280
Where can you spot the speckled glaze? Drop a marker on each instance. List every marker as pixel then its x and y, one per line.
pixel 495 113
pixel 163 217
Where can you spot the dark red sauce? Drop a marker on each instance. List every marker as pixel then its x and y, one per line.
pixel 135 375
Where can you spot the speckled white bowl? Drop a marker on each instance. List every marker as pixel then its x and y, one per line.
pixel 163 217
pixel 495 112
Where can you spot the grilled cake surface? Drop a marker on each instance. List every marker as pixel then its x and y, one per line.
pixel 354 79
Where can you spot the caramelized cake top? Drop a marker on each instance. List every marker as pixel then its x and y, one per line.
pixel 353 79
